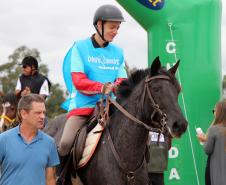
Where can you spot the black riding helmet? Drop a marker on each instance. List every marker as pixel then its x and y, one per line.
pixel 107 13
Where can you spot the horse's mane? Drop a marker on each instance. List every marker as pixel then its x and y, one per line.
pixel 11 98
pixel 126 87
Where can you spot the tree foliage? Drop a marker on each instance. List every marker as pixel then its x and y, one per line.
pixel 53 103
pixel 10 71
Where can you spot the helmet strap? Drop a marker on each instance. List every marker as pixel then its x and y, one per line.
pixel 101 35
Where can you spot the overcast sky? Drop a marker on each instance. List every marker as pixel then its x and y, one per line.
pixel 51 26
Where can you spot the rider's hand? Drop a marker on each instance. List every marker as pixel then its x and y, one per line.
pixel 26 91
pixel 107 88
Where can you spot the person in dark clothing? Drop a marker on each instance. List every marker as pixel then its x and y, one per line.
pixel 31 81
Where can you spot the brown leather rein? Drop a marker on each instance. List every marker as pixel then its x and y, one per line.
pixel 155 106
pixel 130 175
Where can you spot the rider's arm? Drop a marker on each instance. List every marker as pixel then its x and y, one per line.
pixel 85 85
pixel 118 81
pixel 80 79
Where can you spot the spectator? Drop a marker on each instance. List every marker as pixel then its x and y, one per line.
pixel 31 81
pixel 215 145
pixel 27 155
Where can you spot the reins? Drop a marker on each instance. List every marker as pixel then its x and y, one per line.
pixel 130 175
pixel 109 100
pixel 130 116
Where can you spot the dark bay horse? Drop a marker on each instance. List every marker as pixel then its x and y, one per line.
pixel 151 97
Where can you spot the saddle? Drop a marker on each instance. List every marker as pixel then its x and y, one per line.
pixel 78 156
pixel 80 141
pixel 70 163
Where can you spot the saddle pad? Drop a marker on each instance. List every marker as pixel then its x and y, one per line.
pixel 92 140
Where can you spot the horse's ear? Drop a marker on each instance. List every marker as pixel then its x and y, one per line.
pixel 173 69
pixel 155 66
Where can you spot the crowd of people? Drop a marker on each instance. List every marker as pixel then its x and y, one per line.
pixel 29 156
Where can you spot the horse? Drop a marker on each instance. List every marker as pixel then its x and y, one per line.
pixel 8 111
pixel 147 100
pixel 55 127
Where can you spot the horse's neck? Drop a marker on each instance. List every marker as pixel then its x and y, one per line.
pixel 129 138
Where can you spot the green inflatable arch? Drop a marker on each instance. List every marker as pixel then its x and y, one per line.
pixel 189 30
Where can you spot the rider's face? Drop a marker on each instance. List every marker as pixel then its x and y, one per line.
pixel 26 70
pixel 110 30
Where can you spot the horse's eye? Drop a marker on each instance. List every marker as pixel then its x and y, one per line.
pixel 156 89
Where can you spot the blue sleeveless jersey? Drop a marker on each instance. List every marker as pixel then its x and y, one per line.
pixel 99 64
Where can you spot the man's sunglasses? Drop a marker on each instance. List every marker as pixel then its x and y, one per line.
pixel 25 66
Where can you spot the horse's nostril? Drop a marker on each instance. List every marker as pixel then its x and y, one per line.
pixel 179 127
pixel 176 127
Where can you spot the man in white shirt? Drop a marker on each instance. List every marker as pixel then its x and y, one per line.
pixel 31 81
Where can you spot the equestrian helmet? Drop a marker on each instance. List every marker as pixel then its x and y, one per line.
pixel 108 13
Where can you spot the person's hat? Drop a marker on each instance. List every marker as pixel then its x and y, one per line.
pixel 29 61
pixel 108 13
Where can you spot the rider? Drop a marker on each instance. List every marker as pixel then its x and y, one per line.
pixel 31 81
pixel 97 67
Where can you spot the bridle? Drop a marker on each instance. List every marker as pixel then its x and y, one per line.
pixel 154 105
pixel 8 119
pixel 130 175
pixel 4 117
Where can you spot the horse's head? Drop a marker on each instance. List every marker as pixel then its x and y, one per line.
pixel 155 92
pixel 165 89
pixel 8 109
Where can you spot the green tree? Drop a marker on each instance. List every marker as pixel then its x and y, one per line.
pixel 53 103
pixel 10 71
